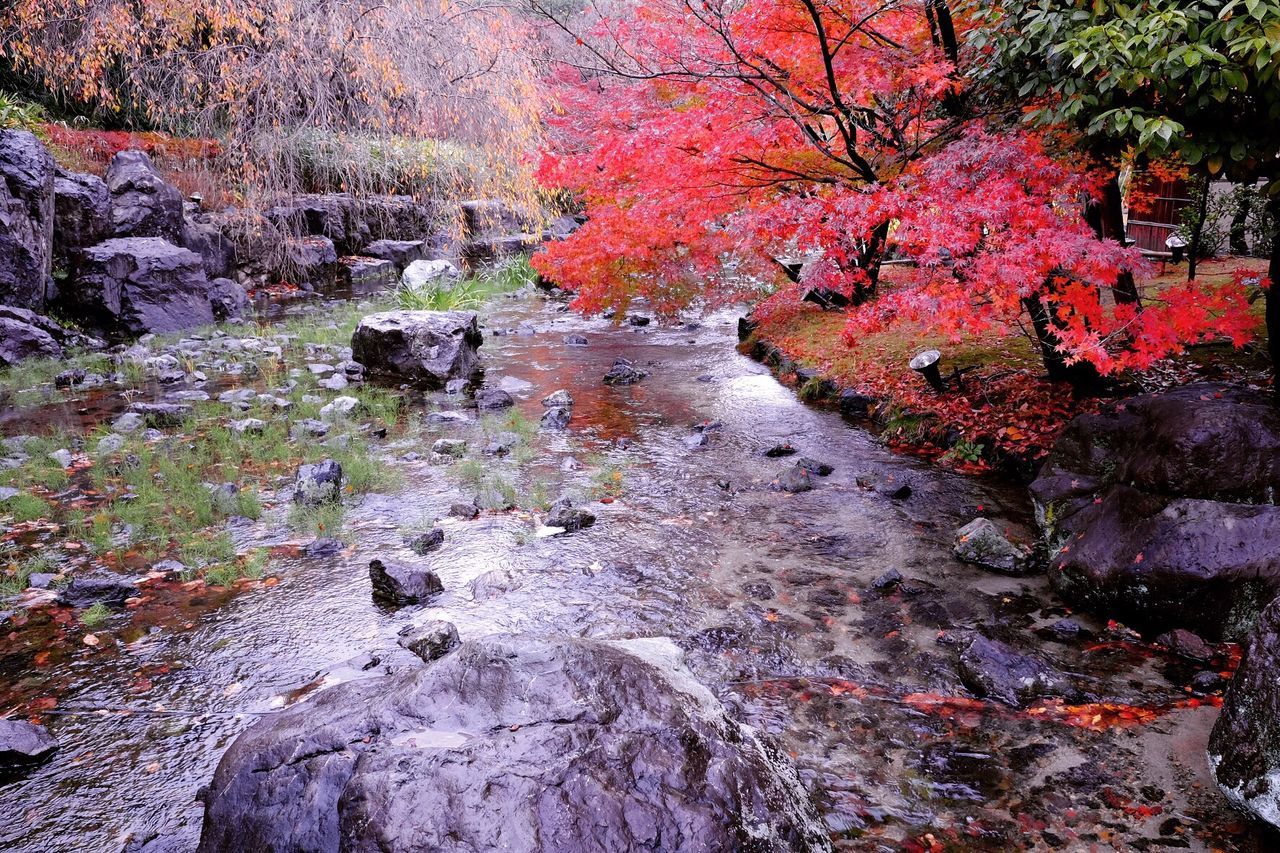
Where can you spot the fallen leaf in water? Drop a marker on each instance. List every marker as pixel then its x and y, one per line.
pixel 91 640
pixel 270 581
pixel 152 767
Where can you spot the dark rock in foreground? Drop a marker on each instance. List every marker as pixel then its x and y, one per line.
pixel 512 743
pixel 1244 748
pixel 1160 510
pixel 399 583
pixel 565 515
pixel 23 744
pixel 85 592
pixel 425 543
pixel 426 348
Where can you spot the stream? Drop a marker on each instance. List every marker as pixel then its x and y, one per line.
pixel 780 601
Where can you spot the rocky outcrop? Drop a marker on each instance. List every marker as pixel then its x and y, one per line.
pixel 311 261
pixel 425 348
pixel 512 743
pixel 1244 748
pixel 1161 509
pixel 127 287
pixel 143 204
pixel 24 334
pixel 82 213
pixel 402 253
pixel 26 220
pixel 203 234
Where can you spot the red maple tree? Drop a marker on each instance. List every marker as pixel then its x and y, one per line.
pixel 711 141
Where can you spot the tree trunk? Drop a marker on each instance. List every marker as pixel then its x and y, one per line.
pixel 869 260
pixel 1082 375
pixel 1273 297
pixel 1240 223
pixel 1106 218
pixel 1197 234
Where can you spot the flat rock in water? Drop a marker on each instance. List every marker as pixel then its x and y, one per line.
pixel 556 419
pixel 794 480
pixel 515 743
pixel 624 372
pixel 488 399
pixel 85 592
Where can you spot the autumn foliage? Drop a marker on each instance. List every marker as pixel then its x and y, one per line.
pixel 709 140
pixel 268 78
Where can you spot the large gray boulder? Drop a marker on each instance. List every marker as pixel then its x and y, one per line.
pixel 82 213
pixel 26 220
pixel 1244 748
pixel 130 286
pixel 512 743
pixel 1161 510
pixel 143 204
pixel 426 348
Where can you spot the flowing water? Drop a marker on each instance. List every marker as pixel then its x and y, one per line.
pixel 772 595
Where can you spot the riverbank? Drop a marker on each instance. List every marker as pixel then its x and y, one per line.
pixel 1000 413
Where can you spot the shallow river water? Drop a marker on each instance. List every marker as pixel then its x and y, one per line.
pixel 772 595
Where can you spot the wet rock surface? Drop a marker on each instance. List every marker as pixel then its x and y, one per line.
pixel 1244 749
pixel 22 745
pixel 400 583
pixel 1160 509
pixel 426 348
pixel 993 669
pixel 518 743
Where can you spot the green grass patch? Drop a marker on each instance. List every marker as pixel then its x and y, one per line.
pixel 508 276
pixel 95 615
